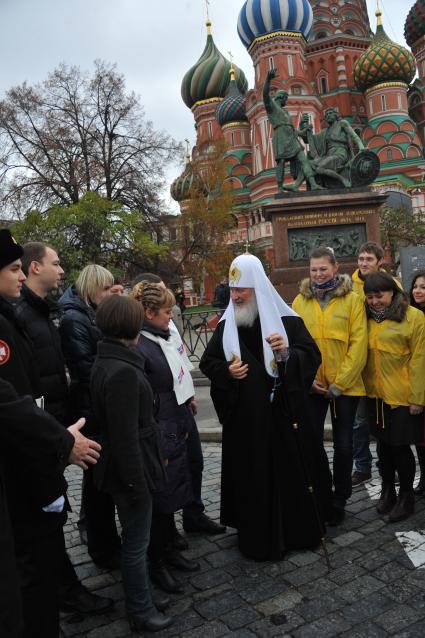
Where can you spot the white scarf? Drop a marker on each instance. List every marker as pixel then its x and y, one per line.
pixel 246 271
pixel 180 365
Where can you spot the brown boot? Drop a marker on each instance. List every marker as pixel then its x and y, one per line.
pixel 404 507
pixel 387 500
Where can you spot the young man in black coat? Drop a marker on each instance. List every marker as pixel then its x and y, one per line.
pixel 41 265
pixel 41 442
pixel 36 500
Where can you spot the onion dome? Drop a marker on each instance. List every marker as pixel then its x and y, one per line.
pixel 208 79
pixel 232 108
pixel 181 187
pixel 415 23
pixel 261 17
pixel 383 61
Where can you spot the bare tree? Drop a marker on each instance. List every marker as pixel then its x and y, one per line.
pixel 77 133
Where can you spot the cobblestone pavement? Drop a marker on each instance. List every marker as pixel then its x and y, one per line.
pixel 372 590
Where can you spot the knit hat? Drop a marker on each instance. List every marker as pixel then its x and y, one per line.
pixel 10 250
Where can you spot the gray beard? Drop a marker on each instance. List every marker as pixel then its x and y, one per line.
pixel 246 315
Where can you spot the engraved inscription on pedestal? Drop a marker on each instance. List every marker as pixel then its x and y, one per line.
pixel 344 239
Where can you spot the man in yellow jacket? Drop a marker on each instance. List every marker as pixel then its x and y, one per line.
pixel 369 260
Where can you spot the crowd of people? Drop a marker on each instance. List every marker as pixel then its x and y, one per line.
pixel 114 365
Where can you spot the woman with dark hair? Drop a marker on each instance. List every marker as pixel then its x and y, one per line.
pixel 335 318
pixel 417 300
pixel 167 369
pixel 395 387
pixel 130 467
pixel 79 336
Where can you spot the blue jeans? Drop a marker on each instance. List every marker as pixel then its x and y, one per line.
pixel 361 452
pixel 343 411
pixel 136 523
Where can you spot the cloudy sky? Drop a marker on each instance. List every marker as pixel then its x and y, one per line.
pixel 153 42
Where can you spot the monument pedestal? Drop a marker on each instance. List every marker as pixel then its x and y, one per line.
pixel 342 219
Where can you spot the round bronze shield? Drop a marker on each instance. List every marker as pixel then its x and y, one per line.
pixel 364 168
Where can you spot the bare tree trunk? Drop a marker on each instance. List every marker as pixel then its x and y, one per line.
pixel 202 283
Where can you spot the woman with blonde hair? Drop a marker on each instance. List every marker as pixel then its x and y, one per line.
pixel 168 371
pixel 80 336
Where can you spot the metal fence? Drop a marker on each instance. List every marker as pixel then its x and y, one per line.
pixel 198 328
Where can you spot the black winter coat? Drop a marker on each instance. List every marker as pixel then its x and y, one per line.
pixel 175 421
pixel 27 491
pixel 34 313
pixel 79 335
pixel 38 441
pixel 130 466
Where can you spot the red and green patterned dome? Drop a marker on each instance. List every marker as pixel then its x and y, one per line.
pixel 415 23
pixel 232 108
pixel 209 77
pixel 383 61
pixel 181 187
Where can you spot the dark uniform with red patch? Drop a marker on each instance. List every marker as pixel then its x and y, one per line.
pixel 35 531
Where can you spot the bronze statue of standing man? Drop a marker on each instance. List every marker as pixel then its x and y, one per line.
pixel 286 145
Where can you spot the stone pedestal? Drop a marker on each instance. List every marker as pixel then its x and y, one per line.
pixel 343 219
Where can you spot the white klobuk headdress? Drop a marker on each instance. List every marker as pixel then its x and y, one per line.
pixel 246 271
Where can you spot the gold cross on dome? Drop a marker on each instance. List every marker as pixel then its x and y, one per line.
pixel 247 247
pixel 207 7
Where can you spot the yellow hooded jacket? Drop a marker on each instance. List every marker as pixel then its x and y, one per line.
pixel 340 332
pixel 395 369
pixel 358 283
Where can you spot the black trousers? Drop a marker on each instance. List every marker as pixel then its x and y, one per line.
pixel 99 512
pixel 38 562
pixel 162 531
pixel 343 412
pixel 195 507
pixel 398 458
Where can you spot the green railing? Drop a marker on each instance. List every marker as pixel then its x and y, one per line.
pixel 197 331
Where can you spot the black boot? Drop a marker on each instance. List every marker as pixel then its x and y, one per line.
pixel 163 579
pixel 155 622
pixel 420 488
pixel 177 560
pixel 404 507
pixel 177 540
pixel 387 499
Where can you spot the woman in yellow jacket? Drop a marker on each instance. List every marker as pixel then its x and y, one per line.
pixel 336 319
pixel 394 378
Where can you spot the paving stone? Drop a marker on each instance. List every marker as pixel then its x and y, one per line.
pixel 98 581
pixel 321 606
pixel 77 625
pixel 365 630
pixel 366 608
pixel 306 574
pixel 346 573
pixel 391 571
pixel 240 617
pixel 223 557
pixel 348 539
pixel 262 591
pixel 210 578
pixel 209 630
pixel 398 618
pixel 359 588
pixel 266 628
pixel 288 600
pixel 413 631
pixel 326 627
pixel 304 558
pixel 401 591
pixel 112 630
pixel 217 606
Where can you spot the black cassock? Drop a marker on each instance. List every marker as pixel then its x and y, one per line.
pixel 267 465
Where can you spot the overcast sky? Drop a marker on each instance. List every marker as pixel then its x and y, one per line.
pixel 153 43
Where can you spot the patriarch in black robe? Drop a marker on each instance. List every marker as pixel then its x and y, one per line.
pixel 261 360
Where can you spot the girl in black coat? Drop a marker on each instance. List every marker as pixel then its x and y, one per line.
pixel 166 370
pixel 130 467
pixel 417 300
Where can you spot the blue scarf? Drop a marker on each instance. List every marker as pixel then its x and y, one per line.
pixel 320 290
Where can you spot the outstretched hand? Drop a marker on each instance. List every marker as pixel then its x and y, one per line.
pixel 271 74
pixel 85 451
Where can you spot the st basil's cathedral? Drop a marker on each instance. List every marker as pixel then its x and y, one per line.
pixel 325 55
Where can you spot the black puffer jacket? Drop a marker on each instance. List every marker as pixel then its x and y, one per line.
pixel 33 313
pixel 79 335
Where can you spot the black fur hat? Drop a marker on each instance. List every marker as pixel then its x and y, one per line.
pixel 10 250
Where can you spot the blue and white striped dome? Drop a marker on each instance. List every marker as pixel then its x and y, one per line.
pixel 259 17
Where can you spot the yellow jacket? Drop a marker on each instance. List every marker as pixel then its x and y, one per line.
pixel 395 369
pixel 358 283
pixel 340 331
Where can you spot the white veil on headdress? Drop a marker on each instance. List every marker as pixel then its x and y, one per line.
pixel 246 271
